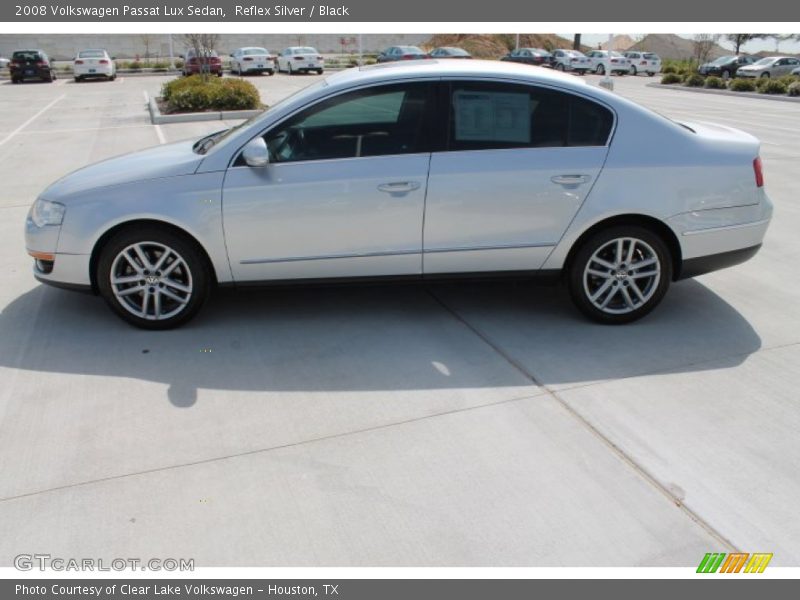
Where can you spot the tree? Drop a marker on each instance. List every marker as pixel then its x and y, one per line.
pixel 147 41
pixel 740 39
pixel 576 42
pixel 703 45
pixel 203 45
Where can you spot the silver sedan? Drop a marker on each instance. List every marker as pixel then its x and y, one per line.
pixel 420 170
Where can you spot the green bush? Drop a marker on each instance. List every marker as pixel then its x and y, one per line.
pixel 772 86
pixel 742 85
pixel 198 93
pixel 789 79
pixel 714 83
pixel 671 78
pixel 135 65
pixel 669 69
pixel 794 88
pixel 695 80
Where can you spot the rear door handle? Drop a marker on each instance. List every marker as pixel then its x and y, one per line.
pixel 399 187
pixel 569 179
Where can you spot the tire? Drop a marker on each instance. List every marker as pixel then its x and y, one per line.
pixel 290 71
pixel 605 294
pixel 320 71
pixel 634 72
pixel 650 73
pixel 600 70
pixel 77 79
pixel 560 67
pixel 219 74
pixel 271 72
pixel 180 290
pixel 765 76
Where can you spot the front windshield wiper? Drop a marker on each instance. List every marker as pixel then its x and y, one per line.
pixel 205 144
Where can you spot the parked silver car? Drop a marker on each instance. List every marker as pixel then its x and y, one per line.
pixel 772 66
pixel 252 59
pixel 416 170
pixel 570 60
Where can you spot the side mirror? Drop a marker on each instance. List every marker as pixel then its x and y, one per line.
pixel 255 153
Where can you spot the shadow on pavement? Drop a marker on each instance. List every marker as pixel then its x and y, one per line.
pixel 372 338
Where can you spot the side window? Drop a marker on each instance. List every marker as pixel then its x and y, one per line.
pixel 485 116
pixel 377 121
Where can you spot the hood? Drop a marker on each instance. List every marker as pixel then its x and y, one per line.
pixel 168 160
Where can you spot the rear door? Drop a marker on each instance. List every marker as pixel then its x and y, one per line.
pixel 519 161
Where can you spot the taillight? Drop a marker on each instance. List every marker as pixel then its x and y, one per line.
pixel 78 62
pixel 247 59
pixel 320 58
pixel 574 60
pixel 298 58
pixel 759 172
pixel 644 62
pixel 103 61
pixel 41 63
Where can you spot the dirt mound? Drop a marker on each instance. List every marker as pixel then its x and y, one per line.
pixel 496 45
pixel 674 47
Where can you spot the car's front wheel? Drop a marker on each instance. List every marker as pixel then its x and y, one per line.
pixel 620 274
pixel 153 277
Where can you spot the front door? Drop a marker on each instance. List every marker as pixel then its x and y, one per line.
pixel 343 195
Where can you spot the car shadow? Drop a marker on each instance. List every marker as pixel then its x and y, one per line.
pixel 364 338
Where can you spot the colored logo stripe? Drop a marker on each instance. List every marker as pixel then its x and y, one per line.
pixel 734 562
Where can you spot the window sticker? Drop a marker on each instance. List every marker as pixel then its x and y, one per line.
pixel 492 117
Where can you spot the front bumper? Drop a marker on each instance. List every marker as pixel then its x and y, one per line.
pixel 50 266
pixel 93 70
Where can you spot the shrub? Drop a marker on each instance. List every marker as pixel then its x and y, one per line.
pixel 794 88
pixel 670 78
pixel 742 85
pixel 694 80
pixel 669 69
pixel 789 79
pixel 198 93
pixel 135 65
pixel 714 83
pixel 772 86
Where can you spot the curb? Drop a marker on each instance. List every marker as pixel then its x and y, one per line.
pixel 754 95
pixel 156 118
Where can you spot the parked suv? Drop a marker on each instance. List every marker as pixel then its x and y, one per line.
pixel 643 62
pixel 725 66
pixel 208 62
pixel 31 64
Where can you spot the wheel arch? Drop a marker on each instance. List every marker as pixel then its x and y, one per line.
pixel 112 231
pixel 655 225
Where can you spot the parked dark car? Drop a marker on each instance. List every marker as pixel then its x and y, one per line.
pixel 725 66
pixel 31 64
pixel 529 56
pixel 449 52
pixel 208 62
pixel 394 53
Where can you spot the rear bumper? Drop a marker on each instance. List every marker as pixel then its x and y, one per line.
pixel 693 267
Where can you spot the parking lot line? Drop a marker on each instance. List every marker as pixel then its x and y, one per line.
pixel 31 120
pixel 161 138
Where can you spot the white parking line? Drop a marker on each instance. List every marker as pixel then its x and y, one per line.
pixel 159 132
pixel 31 120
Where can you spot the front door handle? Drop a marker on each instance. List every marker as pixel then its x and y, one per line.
pixel 569 179
pixel 399 187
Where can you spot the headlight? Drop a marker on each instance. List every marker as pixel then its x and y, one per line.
pixel 44 212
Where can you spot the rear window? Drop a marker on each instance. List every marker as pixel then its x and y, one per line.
pixel 26 55
pixel 306 50
pixel 651 56
pixel 254 51
pixel 91 54
pixel 486 116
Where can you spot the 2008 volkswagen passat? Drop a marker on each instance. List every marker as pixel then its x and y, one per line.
pixel 421 170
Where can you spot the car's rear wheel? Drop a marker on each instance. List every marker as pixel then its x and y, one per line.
pixel 620 274
pixel 320 71
pixel 633 71
pixel 601 70
pixel 152 277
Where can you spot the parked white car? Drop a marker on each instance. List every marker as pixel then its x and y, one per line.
pixel 370 173
pixel 4 62
pixel 600 58
pixel 300 59
pixel 570 60
pixel 771 66
pixel 643 62
pixel 94 63
pixel 252 60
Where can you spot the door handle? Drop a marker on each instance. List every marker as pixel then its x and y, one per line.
pixel 569 179
pixel 399 187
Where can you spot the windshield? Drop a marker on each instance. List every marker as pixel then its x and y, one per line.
pixel 204 144
pixel 722 60
pixel 411 50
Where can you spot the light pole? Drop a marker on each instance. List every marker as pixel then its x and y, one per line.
pixel 606 81
pixel 171 55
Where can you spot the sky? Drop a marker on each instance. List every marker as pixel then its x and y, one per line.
pixel 592 39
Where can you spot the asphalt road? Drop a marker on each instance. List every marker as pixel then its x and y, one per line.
pixel 448 425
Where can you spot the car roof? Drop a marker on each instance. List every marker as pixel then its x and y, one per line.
pixel 434 68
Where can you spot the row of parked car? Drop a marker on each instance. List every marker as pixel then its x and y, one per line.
pixel 751 66
pixel 564 60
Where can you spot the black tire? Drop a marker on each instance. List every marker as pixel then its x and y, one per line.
pixel 652 289
pixel 289 69
pixel 634 72
pixel 320 71
pixel 601 70
pixel 196 272
pixel 560 67
pixel 650 73
pixel 765 76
